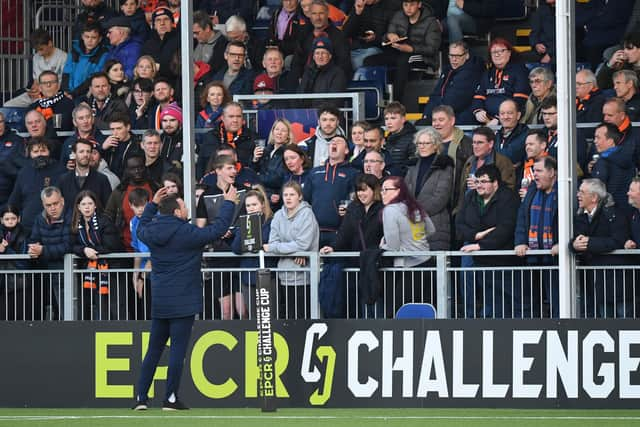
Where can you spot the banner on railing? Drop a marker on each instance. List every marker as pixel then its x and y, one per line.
pixel 337 363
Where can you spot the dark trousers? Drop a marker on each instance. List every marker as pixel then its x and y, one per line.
pixel 294 302
pixel 179 330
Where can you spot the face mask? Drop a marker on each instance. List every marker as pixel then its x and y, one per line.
pixel 40 162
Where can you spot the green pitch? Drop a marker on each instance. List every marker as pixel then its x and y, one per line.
pixel 319 417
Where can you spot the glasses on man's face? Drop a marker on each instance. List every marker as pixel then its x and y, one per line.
pixel 498 52
pixel 49 83
pixel 582 83
pixel 384 190
pixel 372 161
pixel 536 81
pixel 236 55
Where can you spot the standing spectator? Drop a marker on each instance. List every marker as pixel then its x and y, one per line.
pixel 511 134
pixel 430 181
pixel 598 228
pixel 327 185
pixel 471 17
pixel 456 84
pixel 486 221
pixel 49 242
pixel 535 145
pixel 287 27
pixel 374 164
pixel 13 241
pixel 317 146
pixel 83 177
pixel 297 164
pixel 273 64
pixel 98 163
pixel 146 68
pixel 625 58
pixel 87 56
pixel 104 106
pixel 212 100
pixel 294 229
pixel 53 104
pixel 549 113
pixel 366 24
pixel 503 80
pixel 614 112
pixel 322 75
pixel 124 47
pixel 221 10
pixel 399 141
pixel 176 251
pixel 164 41
pixel 537 228
pixel 413 35
pixel 235 76
pixel 541 80
pixel 10 147
pixel 211 43
pixel 356 143
pixel 120 145
pixel 270 165
pixel 543 32
pixel 625 83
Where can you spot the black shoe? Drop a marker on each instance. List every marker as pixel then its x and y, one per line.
pixel 175 406
pixel 140 405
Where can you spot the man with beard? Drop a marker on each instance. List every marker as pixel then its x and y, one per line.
pixel 54 105
pixel 84 123
pixel 328 126
pixel 373 141
pixel 104 107
pixel 83 177
pixel 171 119
pixel 41 172
pixel 162 96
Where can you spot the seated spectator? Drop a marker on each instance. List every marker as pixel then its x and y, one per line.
pixel 163 42
pixel 146 68
pixel 600 227
pixel 47 56
pixel 269 163
pixel 455 143
pixel 336 15
pixel 211 43
pixel 93 11
pixel 88 56
pixel 83 177
pixel 162 96
pixel 142 90
pixel 317 146
pixel 541 80
pixel 120 85
pixel 625 83
pixel 614 166
pixel 138 199
pixel 53 104
pixel 406 227
pixel 124 48
pixel 470 17
pixel 322 27
pixel 294 229
pixel 627 57
pixel 94 235
pixel 235 76
pixel 543 32
pixel 297 164
pixel 503 80
pixel 365 26
pixel 511 134
pixel 537 228
pixel 132 11
pixel 431 183
pixel 236 29
pixel 84 124
pixel 484 152
pixel 327 185
pixel 413 35
pixel 273 64
pixel 103 105
pixel 120 145
pixel 286 29
pixel 486 221
pixel 373 141
pixel 37 128
pixel 322 75
pixel 399 141
pixel 375 164
pixel 456 84
pixel 41 172
pixel 171 118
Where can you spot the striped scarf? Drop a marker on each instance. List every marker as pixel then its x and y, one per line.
pixel 541 220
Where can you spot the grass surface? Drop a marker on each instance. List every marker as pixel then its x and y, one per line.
pixel 319 417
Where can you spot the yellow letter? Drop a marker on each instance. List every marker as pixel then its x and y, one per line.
pixel 104 364
pixel 206 387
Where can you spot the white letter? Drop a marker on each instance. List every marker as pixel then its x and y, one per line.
pixel 566 365
pixel 360 338
pixel 606 371
pixel 403 363
pixel 311 375
pixel 432 356
pixel 522 364
pixel 460 389
pixel 489 389
pixel 628 364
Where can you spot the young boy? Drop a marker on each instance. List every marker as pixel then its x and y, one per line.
pixel 138 198
pixel 399 140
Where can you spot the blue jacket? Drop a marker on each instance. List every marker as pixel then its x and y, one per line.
pixel 521 235
pixel 604 21
pixel 54 237
pixel 241 85
pixel 176 254
pixel 616 169
pixel 325 187
pixel 80 65
pixel 498 85
pixel 127 53
pixel 513 145
pixel 455 88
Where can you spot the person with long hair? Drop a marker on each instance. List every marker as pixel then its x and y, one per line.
pixel 406 227
pixel 146 68
pixel 294 229
pixel 142 89
pixel 270 163
pixel 13 293
pixel 255 202
pixel 93 235
pixel 214 97
pixel 430 181
pixel 120 86
pixel 356 144
pixel 504 79
pixel 296 163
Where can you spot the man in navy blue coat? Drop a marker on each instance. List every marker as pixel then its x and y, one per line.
pixel 176 253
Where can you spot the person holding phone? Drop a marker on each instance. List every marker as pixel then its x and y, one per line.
pixel 366 24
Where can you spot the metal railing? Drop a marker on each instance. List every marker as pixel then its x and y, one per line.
pixel 503 286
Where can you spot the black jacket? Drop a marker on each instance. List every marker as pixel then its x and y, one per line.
pixel 163 51
pixel 95 181
pixel 607 231
pixel 356 219
pixel 402 149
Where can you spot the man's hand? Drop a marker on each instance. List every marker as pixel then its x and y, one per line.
pixel 231 194
pixel 301 261
pixel 35 250
pixel 481 116
pixel 110 142
pixel 540 48
pixel 482 234
pixel 521 250
pixel 630 244
pixel 160 195
pixel 90 253
pixel 555 249
pixel 581 243
pixel 470 248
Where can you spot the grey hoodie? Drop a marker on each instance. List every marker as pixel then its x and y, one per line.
pixel 400 234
